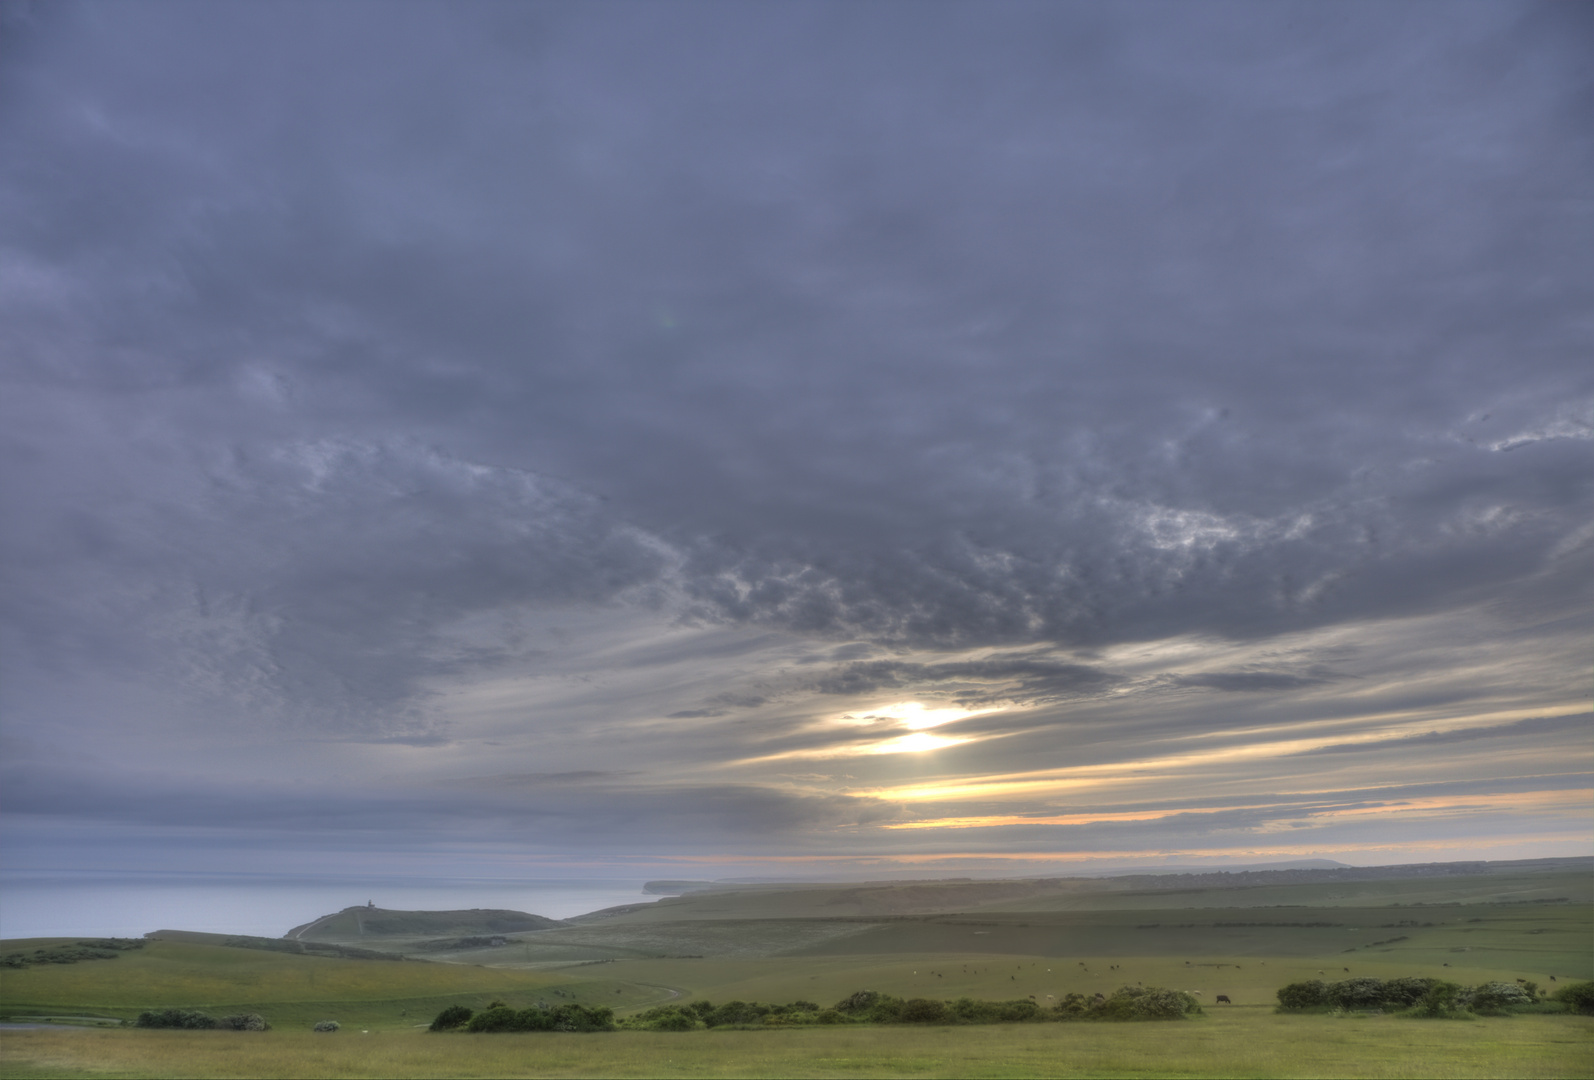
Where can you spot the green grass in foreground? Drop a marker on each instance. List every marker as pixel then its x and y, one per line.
pixel 1240 1042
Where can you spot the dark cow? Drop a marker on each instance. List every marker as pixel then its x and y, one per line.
pixel 1223 999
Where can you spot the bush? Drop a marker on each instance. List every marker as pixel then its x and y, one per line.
pixel 1577 997
pixel 177 1018
pixel 736 1012
pixel 494 1018
pixel 1404 993
pixel 665 1018
pixel 498 1017
pixel 451 1018
pixel 885 1010
pixel 1421 996
pixel 92 949
pixel 1144 1003
pixel 1362 993
pixel 245 1022
pixel 1494 999
pixel 1356 994
pixel 859 1003
pixel 1303 995
pixel 924 1011
pixel 327 1026
pixel 1439 1001
pixel 574 1017
pixel 674 1020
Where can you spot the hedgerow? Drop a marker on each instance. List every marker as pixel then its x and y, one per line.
pixel 863 1007
pixel 1412 996
pixel 1578 997
pixel 93 949
pixel 189 1019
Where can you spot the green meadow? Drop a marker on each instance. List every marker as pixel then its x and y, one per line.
pixel 1243 1042
pixel 942 940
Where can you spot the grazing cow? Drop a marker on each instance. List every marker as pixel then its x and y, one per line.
pixel 1223 999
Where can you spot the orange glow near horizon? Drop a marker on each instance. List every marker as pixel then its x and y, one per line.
pixel 1574 798
pixel 1460 849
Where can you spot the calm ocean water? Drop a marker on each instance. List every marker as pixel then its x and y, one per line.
pixel 39 904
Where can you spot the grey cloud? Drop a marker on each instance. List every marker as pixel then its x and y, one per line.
pixel 549 811
pixel 1249 681
pixel 1517 729
pixel 905 388
pixel 320 580
pixel 345 342
pixel 1013 676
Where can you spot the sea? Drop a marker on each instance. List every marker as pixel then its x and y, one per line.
pixel 91 904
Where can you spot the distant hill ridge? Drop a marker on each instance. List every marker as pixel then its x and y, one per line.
pixel 368 921
pixel 1304 872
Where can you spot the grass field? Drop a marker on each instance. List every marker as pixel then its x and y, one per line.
pixel 1241 1042
pixel 822 943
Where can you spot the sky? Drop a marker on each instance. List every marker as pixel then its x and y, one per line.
pixel 864 439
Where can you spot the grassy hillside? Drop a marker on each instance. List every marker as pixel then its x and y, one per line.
pixel 354 923
pixel 1242 936
pixel 290 989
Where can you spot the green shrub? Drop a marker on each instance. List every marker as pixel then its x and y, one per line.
pixel 1495 998
pixel 177 1018
pixel 92 949
pixel 537 1018
pixel 858 1003
pixel 1439 1001
pixel 493 1018
pixel 1404 993
pixel 577 1017
pixel 675 1020
pixel 245 1022
pixel 665 1018
pixel 794 1008
pixel 451 1018
pixel 1144 1003
pixel 1356 994
pixel 924 1011
pixel 1578 997
pixel 1303 995
pixel 736 1012
pixel 885 1010
pixel 327 1026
